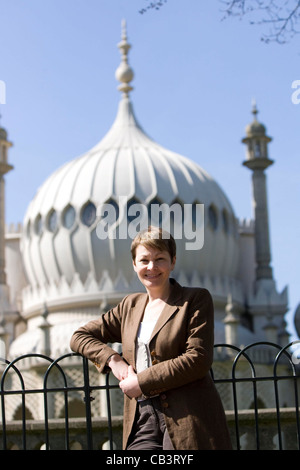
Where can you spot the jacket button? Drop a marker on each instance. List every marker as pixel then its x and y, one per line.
pixel 165 404
pixel 163 396
pixel 154 361
pixel 153 353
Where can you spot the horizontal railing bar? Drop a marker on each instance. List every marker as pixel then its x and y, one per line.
pixel 257 379
pixel 112 387
pixel 53 390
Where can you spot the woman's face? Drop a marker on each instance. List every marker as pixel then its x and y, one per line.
pixel 153 267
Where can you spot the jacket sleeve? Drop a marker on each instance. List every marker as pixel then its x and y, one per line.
pixel 91 339
pixel 196 360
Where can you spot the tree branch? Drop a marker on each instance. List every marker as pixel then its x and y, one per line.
pixel 156 5
pixel 283 16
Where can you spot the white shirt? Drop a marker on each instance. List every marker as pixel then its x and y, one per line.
pixel 143 358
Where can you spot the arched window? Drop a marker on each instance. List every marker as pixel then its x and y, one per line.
pixel 130 215
pixel 88 214
pixel 213 217
pixel 52 221
pixel 68 217
pixel 225 221
pixel 155 216
pixel 38 224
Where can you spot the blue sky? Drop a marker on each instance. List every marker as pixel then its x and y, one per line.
pixel 195 78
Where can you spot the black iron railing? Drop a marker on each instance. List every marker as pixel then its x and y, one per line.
pixel 239 367
pixel 283 368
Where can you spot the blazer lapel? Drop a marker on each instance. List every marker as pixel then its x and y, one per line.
pixel 136 313
pixel 170 308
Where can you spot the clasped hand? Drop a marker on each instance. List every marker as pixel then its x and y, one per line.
pixel 125 374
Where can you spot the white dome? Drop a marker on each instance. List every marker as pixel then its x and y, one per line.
pixel 62 253
pixel 60 226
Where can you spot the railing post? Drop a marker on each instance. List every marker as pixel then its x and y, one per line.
pixel 108 404
pixel 88 399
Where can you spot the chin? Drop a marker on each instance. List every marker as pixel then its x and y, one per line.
pixel 158 281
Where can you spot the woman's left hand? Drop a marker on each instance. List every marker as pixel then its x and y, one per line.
pixel 130 385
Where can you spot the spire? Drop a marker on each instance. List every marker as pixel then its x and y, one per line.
pixel 125 123
pixel 254 108
pixel 257 161
pixel 124 72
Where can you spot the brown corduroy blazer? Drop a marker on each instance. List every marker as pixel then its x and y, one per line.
pixel 181 348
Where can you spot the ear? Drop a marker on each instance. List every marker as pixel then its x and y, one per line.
pixel 173 263
pixel 134 265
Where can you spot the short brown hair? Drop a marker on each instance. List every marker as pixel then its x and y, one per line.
pixel 154 237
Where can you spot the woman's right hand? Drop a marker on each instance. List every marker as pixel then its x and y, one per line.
pixel 118 366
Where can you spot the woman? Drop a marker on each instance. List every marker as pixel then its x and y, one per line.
pixel 170 401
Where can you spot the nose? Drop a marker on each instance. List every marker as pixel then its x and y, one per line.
pixel 151 265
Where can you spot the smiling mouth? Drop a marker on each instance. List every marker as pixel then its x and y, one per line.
pixel 152 276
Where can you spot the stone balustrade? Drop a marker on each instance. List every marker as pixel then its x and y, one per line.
pixel 243 432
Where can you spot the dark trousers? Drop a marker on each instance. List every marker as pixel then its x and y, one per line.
pixel 149 430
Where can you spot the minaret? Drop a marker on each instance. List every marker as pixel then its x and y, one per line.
pixel 265 303
pixel 257 161
pixel 5 167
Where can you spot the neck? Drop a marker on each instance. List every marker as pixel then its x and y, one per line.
pixel 160 293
